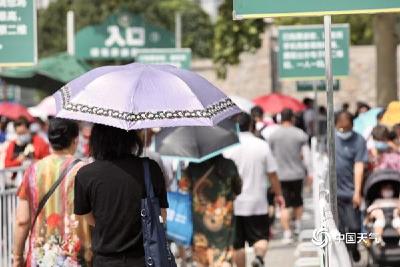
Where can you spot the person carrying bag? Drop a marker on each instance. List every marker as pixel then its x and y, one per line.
pixel 123 196
pixel 156 247
pixel 45 220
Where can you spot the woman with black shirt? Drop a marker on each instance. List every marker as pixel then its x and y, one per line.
pixel 108 193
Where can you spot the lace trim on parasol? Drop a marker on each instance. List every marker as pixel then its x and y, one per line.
pixel 208 112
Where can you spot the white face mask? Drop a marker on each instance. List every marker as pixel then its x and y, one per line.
pixel 344 135
pixel 24 139
pixel 35 127
pixel 387 193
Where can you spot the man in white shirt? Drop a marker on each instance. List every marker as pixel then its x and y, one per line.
pixel 255 163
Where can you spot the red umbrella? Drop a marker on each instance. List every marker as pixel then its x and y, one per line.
pixel 276 102
pixel 13 111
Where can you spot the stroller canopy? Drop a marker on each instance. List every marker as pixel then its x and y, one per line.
pixel 377 178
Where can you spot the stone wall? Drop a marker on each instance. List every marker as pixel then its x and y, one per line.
pixel 252 77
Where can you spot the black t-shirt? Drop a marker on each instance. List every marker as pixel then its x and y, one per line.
pixel 112 191
pixel 18 150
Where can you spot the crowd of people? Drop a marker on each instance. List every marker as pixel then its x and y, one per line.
pixel 229 194
pixel 357 158
pixel 23 140
pixel 93 217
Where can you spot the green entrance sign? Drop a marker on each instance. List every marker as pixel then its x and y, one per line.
pixel 281 8
pixel 302 51
pixel 18 33
pixel 120 36
pixel 307 86
pixel 181 58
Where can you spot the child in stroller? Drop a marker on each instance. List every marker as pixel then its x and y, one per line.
pixel 381 194
pixel 385 204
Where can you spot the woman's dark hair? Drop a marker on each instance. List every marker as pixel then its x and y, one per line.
pixel 257 112
pixel 361 105
pixel 21 121
pixel 245 122
pixel 308 102
pixel 62 132
pixel 322 110
pixel 392 136
pixel 109 143
pixel 380 133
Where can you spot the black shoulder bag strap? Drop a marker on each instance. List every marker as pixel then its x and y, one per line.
pixel 147 179
pixel 53 188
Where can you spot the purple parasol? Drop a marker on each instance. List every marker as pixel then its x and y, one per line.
pixel 138 96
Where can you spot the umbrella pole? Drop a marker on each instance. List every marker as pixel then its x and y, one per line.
pixel 145 152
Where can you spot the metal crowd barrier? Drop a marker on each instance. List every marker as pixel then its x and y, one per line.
pixel 9 180
pixel 334 252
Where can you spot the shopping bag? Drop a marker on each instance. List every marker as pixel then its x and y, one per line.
pixel 179 218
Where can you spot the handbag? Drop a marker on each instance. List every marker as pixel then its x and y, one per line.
pixel 179 219
pixel 156 248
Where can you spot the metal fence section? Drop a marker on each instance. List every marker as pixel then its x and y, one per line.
pixel 307 253
pixel 334 252
pixel 9 180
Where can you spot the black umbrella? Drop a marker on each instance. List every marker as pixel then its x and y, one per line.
pixel 196 143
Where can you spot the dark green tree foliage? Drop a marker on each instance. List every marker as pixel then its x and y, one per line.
pixel 231 38
pixel 197 30
pixel 52 29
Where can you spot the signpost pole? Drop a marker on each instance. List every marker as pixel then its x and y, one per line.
pixel 71 33
pixel 330 120
pixel 178 30
pixel 316 119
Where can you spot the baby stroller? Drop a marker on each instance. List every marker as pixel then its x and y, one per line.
pixel 387 251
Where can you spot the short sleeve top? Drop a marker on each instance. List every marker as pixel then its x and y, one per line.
pixel 112 191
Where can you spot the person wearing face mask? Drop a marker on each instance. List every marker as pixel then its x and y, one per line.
pixel 376 215
pixel 351 157
pixel 25 146
pixel 40 128
pixel 385 156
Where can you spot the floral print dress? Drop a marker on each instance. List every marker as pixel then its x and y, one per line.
pixel 59 238
pixel 211 184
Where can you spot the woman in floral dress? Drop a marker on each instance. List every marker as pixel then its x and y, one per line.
pixel 58 237
pixel 214 184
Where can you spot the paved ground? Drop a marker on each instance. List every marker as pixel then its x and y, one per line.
pixel 283 255
pixel 280 255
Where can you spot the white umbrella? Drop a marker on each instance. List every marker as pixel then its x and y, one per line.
pixel 243 103
pixel 44 109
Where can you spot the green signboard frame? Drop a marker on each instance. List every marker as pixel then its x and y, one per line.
pixel 243 9
pixel 120 37
pixel 18 33
pixel 301 52
pixel 179 57
pixel 308 86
